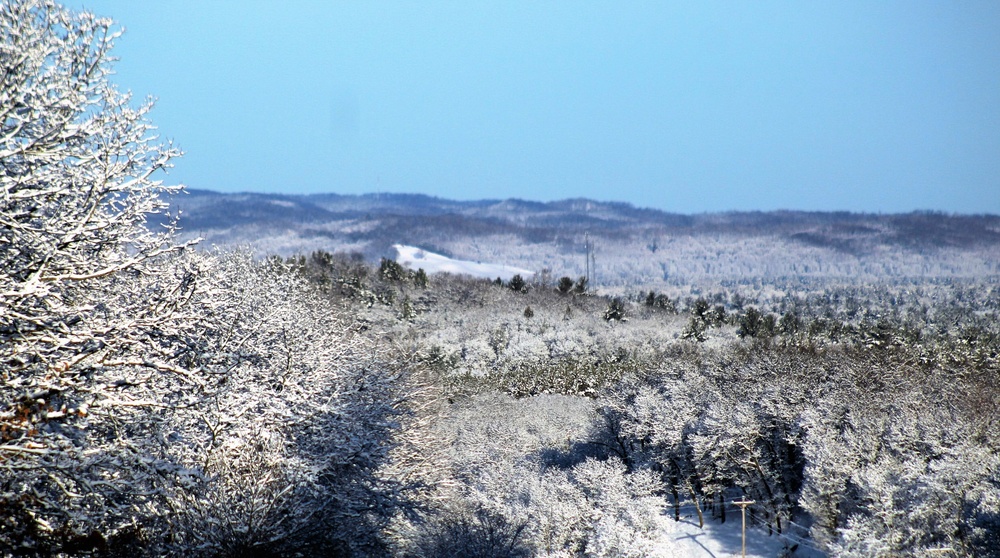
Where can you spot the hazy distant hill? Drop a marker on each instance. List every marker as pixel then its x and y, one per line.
pixel 633 246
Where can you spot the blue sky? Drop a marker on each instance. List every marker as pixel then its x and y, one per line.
pixel 687 107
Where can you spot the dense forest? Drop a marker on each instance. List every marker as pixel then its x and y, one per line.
pixel 159 398
pixel 862 417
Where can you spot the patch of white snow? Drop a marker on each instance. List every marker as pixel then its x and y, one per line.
pixel 414 258
pixel 723 540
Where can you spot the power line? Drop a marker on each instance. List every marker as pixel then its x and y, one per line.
pixel 759 523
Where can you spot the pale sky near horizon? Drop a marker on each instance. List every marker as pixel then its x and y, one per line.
pixel 688 107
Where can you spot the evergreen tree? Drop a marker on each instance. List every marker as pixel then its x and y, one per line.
pixel 565 285
pixel 518 284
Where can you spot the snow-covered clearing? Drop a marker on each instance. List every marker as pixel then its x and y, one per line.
pixel 722 540
pixel 414 258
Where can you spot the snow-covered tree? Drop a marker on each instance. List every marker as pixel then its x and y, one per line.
pixel 78 164
pixel 294 426
pixel 152 397
pixel 82 290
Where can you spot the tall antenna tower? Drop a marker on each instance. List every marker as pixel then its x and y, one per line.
pixel 589 260
pixel 593 264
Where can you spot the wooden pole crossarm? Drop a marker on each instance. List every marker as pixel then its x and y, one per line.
pixel 743 507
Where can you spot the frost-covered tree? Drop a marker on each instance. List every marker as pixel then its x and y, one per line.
pixel 294 426
pixel 524 468
pixel 152 398
pixel 885 479
pixel 77 162
pixel 80 287
pixel 76 188
pixel 616 310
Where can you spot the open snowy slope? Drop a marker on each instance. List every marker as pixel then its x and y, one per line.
pixel 416 258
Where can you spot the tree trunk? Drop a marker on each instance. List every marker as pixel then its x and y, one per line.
pixel 677 500
pixel 697 506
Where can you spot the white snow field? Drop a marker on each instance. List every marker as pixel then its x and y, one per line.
pixel 684 539
pixel 414 258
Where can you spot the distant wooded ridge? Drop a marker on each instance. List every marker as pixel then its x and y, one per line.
pixel 540 235
pixel 426 204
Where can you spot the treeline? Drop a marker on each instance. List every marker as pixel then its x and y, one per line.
pixel 406 216
pixel 934 322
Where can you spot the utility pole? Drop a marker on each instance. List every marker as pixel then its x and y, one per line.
pixel 593 264
pixel 743 506
pixel 586 257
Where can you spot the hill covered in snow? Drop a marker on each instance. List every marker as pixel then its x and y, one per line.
pixel 629 246
pixel 417 258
